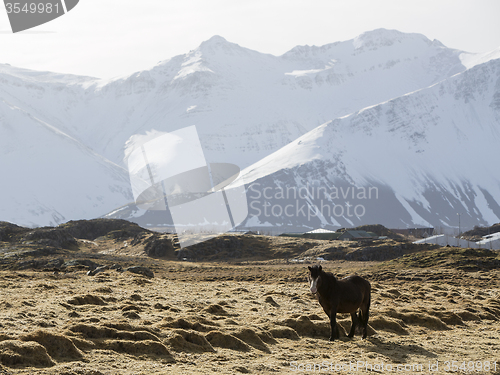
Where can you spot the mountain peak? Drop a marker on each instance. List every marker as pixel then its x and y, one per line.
pixel 383 33
pixel 215 40
pixel 216 43
pixel 219 48
pixel 367 41
pixel 385 38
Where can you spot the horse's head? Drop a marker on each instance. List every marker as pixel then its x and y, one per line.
pixel 314 278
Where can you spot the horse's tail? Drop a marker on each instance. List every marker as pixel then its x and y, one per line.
pixel 367 314
pixel 364 311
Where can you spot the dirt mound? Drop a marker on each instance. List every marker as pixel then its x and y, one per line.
pixel 131 307
pixel 468 316
pixel 270 300
pixel 189 341
pixel 87 299
pixel 305 327
pixel 250 337
pixel 388 324
pixel 216 309
pixel 223 340
pixel 196 323
pixel 265 335
pixel 91 332
pixel 420 319
pixel 57 345
pixel 138 270
pixel 131 341
pixel 14 353
pixel 284 333
pixel 160 306
pixel 137 348
pixel 448 317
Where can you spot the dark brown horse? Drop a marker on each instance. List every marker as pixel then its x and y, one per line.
pixel 341 296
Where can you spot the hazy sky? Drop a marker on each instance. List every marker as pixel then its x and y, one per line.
pixel 107 38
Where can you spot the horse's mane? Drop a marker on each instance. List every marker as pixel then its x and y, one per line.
pixel 329 275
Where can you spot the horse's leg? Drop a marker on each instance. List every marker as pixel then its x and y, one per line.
pixel 366 314
pixel 334 334
pixel 354 319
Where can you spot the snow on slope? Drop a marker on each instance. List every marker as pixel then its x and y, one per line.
pixel 430 155
pixel 49 178
pixel 245 104
pixel 470 60
pixel 51 97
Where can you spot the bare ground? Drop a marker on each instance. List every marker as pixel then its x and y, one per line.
pixel 253 316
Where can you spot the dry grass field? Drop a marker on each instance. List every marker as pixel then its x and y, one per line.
pixel 434 311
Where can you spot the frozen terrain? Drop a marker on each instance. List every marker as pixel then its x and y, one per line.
pixel 64 138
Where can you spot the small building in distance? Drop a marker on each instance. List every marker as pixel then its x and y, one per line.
pixel 357 235
pixel 322 234
pixel 491 242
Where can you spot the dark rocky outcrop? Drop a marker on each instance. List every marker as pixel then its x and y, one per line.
pixel 53 237
pixel 144 271
pixel 112 228
pixel 9 231
pixel 159 247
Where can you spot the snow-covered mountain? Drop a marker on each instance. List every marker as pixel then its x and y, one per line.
pixel 49 177
pixel 417 160
pixel 245 105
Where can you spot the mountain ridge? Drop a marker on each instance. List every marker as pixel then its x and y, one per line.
pixel 433 140
pixel 245 104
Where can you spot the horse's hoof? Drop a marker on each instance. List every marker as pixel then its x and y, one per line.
pixel 331 339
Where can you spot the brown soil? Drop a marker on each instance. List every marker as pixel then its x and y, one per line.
pixel 249 315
